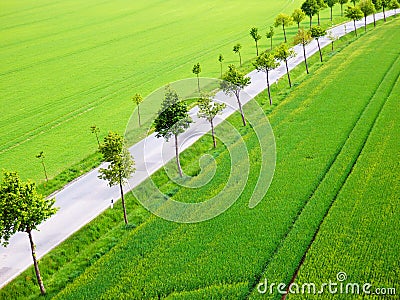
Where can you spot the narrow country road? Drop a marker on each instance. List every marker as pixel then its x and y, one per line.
pixel 84 199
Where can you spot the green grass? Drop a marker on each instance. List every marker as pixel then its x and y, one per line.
pixel 69 65
pixel 238 248
pixel 368 210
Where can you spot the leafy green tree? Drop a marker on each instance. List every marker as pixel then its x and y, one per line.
pixel 121 164
pixel 331 4
pixel 270 34
pixel 172 120
pixel 298 16
pixel 342 2
pixel 283 20
pixel 137 99
pixel 354 13
pixel 385 3
pixel 220 59
pixel 394 4
pixel 316 33
pixel 266 62
pixel 42 157
pixel 236 49
pixel 233 83
pixel 310 8
pixel 321 5
pixel 95 130
pixel 377 5
pixel 367 8
pixel 333 38
pixel 22 209
pixel 303 37
pixel 196 70
pixel 256 36
pixel 208 109
pixel 283 53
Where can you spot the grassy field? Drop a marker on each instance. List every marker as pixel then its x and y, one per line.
pixel 67 65
pixel 367 206
pixel 319 135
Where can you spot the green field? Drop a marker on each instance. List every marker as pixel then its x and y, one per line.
pixel 337 151
pixel 67 65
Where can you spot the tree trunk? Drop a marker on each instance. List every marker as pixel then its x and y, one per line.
pixel 35 263
pixel 305 58
pixel 310 22
pixel 284 32
pixel 44 169
pixel 198 82
pixel 319 23
pixel 355 28
pixel 123 202
pixel 365 23
pixel 374 21
pixel 288 74
pixel 332 47
pixel 319 48
pixel 341 10
pixel 213 134
pixel 271 42
pixel 97 138
pixel 384 15
pixel 178 162
pixel 240 108
pixel 138 113
pixel 331 14
pixel 269 89
pixel 257 47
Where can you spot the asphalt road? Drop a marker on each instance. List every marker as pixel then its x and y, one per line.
pixel 84 199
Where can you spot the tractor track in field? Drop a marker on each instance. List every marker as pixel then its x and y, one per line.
pixel 325 173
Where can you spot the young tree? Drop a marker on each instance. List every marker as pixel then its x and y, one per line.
pixel 331 4
pixel 310 8
pixel 220 59
pixel 333 38
pixel 354 13
pixel 95 130
pixel 270 34
pixel 137 99
pixel 321 5
pixel 394 4
pixel 196 70
pixel 298 16
pixel 41 157
pixel 385 3
pixel 265 63
pixel 22 209
pixel 233 83
pixel 121 164
pixel 208 109
pixel 303 37
pixel 342 2
pixel 236 49
pixel 316 33
pixel 256 36
pixel 283 53
pixel 367 8
pixel 172 120
pixel 283 20
pixel 377 5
